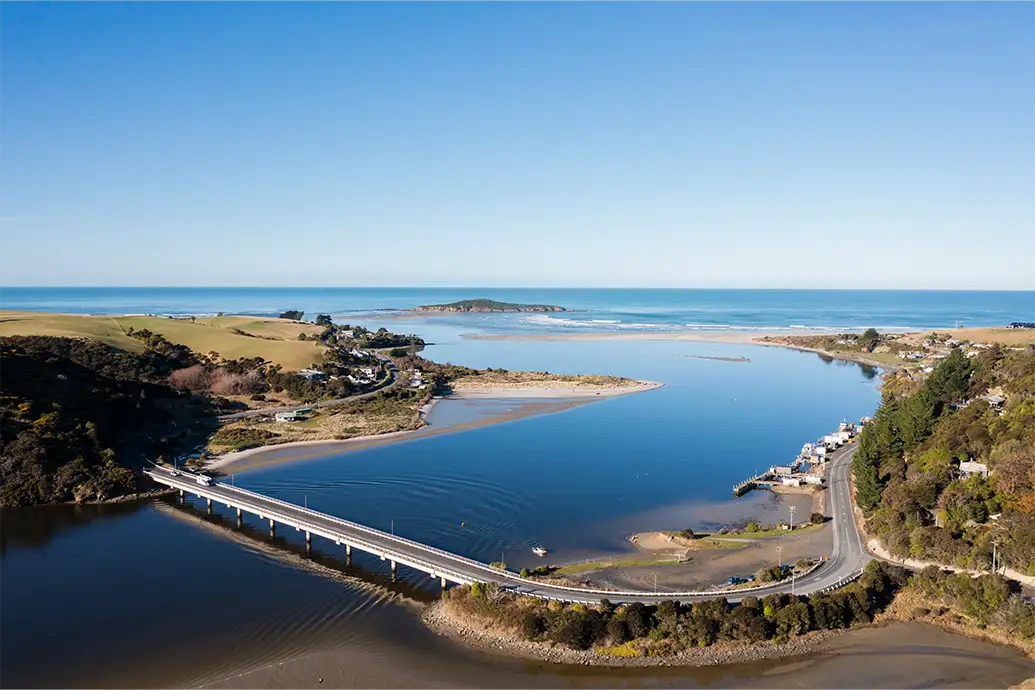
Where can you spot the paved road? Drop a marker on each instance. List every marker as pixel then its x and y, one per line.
pixel 392 382
pixel 846 561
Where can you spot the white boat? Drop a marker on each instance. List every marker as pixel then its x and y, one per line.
pixel 539 551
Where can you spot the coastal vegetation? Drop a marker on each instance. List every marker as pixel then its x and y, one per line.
pixel 671 628
pixel 488 305
pixel 985 606
pixel 70 408
pixel 945 471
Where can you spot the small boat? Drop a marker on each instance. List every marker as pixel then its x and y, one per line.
pixel 539 551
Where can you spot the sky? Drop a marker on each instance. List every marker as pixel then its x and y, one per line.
pixel 809 145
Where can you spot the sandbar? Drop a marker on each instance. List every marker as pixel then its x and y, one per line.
pixel 541 391
pixel 264 456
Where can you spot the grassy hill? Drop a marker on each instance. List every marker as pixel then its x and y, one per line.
pixel 275 340
pixel 481 305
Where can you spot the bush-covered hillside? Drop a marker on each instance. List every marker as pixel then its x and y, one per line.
pixel 908 477
pixel 66 404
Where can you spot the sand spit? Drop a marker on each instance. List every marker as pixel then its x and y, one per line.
pixel 543 391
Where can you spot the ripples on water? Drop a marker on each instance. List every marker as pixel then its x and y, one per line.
pixel 154 594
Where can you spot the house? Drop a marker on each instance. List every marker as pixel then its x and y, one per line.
pixel 928 370
pixel 311 374
pixel 781 469
pixel 911 355
pixel 969 469
pixel 790 481
pixel 369 372
pixel 292 416
pixel 995 401
pixel 348 334
pixel 814 479
pixel 1021 324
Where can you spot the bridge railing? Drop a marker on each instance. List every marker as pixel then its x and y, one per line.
pixel 371 530
pixel 496 573
pixel 359 542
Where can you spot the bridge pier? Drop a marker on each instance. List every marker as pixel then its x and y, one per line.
pixel 273 527
pixel 308 538
pixel 209 506
pixel 240 519
pixel 443 583
pixel 183 497
pixel 348 554
pixel 393 571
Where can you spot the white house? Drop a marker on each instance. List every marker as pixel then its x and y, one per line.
pixel 781 469
pixel 311 374
pixel 814 479
pixel 969 469
pixel 292 416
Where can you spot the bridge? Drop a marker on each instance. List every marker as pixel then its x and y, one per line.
pixel 844 565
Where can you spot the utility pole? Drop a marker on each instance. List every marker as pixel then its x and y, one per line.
pixel 655 583
pixel 779 555
pixel 305 499
pixel 792 509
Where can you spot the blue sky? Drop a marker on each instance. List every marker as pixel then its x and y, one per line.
pixel 868 145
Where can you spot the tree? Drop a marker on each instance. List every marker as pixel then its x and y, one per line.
pixel 817 519
pixel 322 320
pixel 638 618
pixel 949 380
pixel 292 315
pixel 397 352
pixel 869 339
pixel 618 630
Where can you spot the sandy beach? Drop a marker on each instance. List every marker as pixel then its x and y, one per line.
pixel 747 337
pixel 541 398
pixel 547 390
pixel 300 450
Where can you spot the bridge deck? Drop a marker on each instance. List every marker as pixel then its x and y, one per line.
pixel 459 569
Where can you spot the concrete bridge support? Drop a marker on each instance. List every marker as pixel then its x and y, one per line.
pixel 183 497
pixel 348 554
pixel 273 527
pixel 393 571
pixel 240 518
pixel 443 583
pixel 208 507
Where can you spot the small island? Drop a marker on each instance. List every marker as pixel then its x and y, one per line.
pixel 487 305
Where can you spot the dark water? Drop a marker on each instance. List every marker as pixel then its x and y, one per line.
pixel 154 594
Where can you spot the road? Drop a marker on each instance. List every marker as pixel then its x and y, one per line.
pixel 392 381
pixel 845 563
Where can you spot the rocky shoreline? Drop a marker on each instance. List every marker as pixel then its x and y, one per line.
pixel 439 621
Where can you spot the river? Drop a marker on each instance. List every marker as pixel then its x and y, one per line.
pixel 153 594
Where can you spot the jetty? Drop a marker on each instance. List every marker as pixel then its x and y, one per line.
pixel 797 473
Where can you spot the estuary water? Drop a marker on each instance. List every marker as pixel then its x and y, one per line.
pixel 155 594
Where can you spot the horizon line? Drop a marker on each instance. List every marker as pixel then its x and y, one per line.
pixel 502 287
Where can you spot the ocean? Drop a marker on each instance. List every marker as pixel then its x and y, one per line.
pixel 589 309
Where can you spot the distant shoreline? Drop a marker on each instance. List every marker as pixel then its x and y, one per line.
pixel 732 338
pixel 539 400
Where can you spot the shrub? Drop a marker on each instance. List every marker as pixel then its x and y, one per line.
pixel 817 519
pixel 751 527
pixel 533 625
